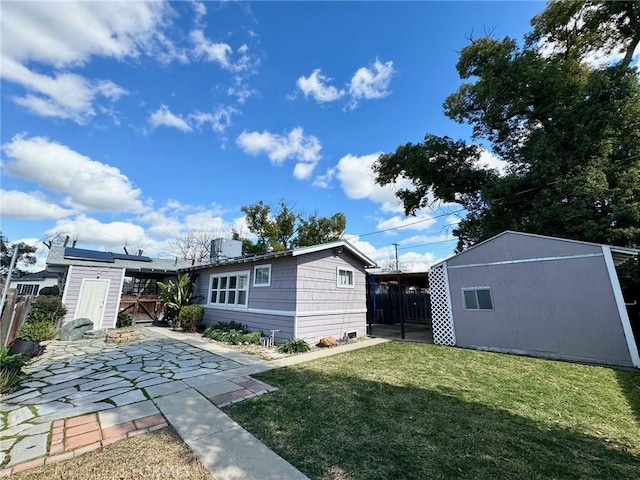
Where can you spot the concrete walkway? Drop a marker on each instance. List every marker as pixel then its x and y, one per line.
pixel 85 395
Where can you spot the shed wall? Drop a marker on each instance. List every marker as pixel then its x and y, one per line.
pixel 560 309
pixel 73 284
pixel 514 246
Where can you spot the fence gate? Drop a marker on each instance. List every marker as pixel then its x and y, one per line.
pixel 443 329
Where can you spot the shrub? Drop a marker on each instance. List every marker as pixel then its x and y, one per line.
pixel 8 379
pixel 293 346
pixel 190 316
pixel 124 320
pixel 176 296
pixel 225 332
pixel 38 330
pixel 11 361
pixel 48 307
pixel 10 369
pixel 55 291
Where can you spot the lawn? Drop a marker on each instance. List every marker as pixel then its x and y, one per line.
pixel 415 411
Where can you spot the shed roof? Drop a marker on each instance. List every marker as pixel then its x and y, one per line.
pixel 94 258
pixel 619 254
pixel 292 252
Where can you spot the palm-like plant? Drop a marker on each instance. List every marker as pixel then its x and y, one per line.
pixel 175 296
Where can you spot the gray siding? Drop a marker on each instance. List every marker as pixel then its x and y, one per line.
pixel 317 289
pixel 74 283
pixel 314 327
pixel 514 246
pixel 559 309
pixel 254 321
pixel 280 295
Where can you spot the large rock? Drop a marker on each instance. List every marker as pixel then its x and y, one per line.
pixel 74 330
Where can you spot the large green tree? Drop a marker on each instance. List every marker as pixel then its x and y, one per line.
pixel 566 124
pixel 286 228
pixel 26 256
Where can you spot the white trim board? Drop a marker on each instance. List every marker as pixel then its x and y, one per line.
pixel 526 260
pixel 287 313
pixel 622 309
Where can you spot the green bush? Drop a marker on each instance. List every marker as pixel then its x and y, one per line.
pixel 10 369
pixel 124 320
pixel 293 346
pixel 8 379
pixel 49 307
pixel 11 361
pixel 55 291
pixel 38 330
pixel 190 316
pixel 225 332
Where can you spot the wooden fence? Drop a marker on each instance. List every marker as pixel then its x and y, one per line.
pixel 391 307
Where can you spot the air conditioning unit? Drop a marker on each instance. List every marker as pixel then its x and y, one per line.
pixel 223 248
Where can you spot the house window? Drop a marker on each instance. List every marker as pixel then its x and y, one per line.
pixel 345 278
pixel 27 289
pixel 477 298
pixel 229 289
pixel 262 276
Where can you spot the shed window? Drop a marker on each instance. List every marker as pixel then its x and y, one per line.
pixel 262 276
pixel 477 298
pixel 229 289
pixel 345 278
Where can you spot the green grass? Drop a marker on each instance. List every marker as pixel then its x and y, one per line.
pixel 416 411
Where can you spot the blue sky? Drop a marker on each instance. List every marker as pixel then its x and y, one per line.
pixel 131 123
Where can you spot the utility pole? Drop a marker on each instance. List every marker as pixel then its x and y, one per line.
pixel 6 289
pixel 397 265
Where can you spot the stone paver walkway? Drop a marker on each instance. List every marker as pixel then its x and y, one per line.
pixel 87 394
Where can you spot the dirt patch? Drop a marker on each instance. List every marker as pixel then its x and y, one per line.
pixel 157 455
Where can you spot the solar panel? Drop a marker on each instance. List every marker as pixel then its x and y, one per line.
pixel 91 255
pixel 131 258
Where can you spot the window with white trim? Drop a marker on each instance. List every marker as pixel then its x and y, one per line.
pixel 345 277
pixel 230 289
pixel 262 276
pixel 477 298
pixel 27 289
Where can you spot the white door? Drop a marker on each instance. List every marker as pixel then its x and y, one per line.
pixel 93 295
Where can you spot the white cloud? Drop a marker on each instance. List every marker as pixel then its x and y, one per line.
pixel 213 52
pixel 421 221
pixel 316 86
pixel 64 95
pixel 89 231
pixel 422 239
pixel 163 117
pixel 371 83
pixel 65 35
pixel 294 145
pixel 489 160
pixel 89 184
pixel 219 120
pixel 220 53
pixel 357 180
pixel 32 206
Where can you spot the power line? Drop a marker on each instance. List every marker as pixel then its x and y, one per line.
pixel 410 224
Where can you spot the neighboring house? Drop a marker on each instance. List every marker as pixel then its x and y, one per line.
pixel 93 281
pixel 307 292
pixel 535 295
pixel 32 283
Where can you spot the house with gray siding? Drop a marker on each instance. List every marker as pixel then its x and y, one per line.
pixel 307 292
pixel 535 295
